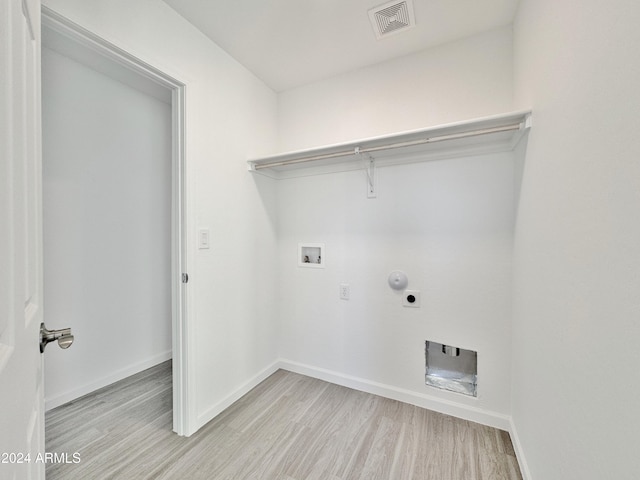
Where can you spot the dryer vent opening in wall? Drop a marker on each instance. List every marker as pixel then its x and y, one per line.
pixel 391 18
pixel 451 368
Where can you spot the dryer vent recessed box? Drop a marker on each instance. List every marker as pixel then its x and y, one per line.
pixel 451 368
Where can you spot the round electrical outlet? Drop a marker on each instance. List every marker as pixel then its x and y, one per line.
pixel 411 298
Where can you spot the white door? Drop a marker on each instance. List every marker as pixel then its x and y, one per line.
pixel 21 395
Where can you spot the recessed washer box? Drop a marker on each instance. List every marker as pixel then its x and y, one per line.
pixel 311 255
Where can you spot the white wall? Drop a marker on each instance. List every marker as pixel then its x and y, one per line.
pixel 230 116
pixel 577 301
pixel 448 224
pixel 107 227
pixel 456 81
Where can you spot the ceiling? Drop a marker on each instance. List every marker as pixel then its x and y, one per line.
pixel 289 43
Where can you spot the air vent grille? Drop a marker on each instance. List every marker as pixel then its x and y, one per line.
pixel 392 18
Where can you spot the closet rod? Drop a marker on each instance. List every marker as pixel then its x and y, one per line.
pixel 359 150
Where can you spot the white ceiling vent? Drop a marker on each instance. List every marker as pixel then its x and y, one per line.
pixel 391 18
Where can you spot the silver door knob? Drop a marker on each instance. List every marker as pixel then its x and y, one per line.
pixel 63 336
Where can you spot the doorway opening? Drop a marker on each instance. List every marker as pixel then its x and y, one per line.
pixel 163 213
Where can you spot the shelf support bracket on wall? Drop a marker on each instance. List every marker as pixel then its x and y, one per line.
pixel 370 170
pixel 371 179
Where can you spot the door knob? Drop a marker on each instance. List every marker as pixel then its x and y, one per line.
pixel 63 336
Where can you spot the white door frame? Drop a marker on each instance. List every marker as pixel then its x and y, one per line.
pixel 182 405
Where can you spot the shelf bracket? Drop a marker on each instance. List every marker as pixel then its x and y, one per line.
pixel 371 179
pixel 370 170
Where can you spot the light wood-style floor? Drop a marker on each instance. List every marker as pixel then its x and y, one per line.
pixel 290 427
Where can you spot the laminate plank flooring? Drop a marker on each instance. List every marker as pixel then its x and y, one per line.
pixel 290 427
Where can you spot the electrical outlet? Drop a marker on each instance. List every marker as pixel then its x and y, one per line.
pixel 411 298
pixel 345 291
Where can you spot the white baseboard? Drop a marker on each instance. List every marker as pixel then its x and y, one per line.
pixel 213 411
pixel 113 377
pixel 466 412
pixel 517 446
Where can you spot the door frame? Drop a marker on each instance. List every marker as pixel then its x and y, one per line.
pixel 182 400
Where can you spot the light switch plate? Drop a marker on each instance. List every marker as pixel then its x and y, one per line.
pixel 203 238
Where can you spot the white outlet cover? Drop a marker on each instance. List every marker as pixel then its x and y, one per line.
pixel 409 295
